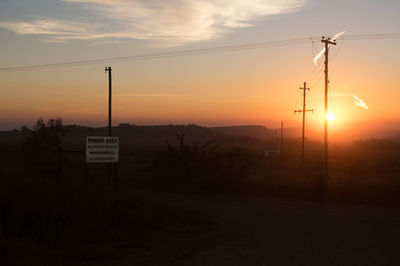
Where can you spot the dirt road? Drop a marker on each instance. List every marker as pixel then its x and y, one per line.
pixel 277 232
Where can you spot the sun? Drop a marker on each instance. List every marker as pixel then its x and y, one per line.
pixel 330 116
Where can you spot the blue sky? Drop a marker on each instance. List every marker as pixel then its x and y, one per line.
pixel 85 28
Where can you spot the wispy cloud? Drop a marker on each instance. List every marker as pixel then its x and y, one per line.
pixel 45 109
pixel 338 94
pixel 146 95
pixel 46 26
pixel 175 21
pixel 357 101
pixel 83 111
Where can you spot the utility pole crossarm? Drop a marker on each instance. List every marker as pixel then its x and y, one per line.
pixel 300 111
pixel 328 41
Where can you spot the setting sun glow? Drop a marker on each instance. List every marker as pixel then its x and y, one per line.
pixel 330 116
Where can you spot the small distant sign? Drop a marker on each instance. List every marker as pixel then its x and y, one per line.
pixel 102 149
pixel 271 151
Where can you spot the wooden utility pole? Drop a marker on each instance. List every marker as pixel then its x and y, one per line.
pixel 327 43
pixel 304 117
pixel 109 167
pixel 108 69
pixel 281 135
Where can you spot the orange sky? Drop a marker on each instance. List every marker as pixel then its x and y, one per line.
pixel 257 86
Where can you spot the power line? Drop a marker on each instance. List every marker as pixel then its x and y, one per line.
pixel 162 55
pixel 371 36
pixel 316 81
pixel 317 72
pixel 219 49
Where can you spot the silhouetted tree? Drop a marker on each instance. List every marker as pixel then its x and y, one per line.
pixel 42 151
pixel 24 128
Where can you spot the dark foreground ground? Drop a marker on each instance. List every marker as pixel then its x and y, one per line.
pixel 199 203
pixel 243 231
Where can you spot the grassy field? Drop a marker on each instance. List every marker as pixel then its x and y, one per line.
pixel 53 218
pixel 362 172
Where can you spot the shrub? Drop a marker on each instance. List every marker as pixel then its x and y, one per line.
pixel 42 151
pixel 205 164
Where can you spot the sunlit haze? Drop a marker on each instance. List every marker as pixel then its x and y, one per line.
pixel 247 86
pixel 330 116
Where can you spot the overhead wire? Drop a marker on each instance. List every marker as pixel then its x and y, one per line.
pixel 313 51
pixel 220 49
pixel 337 50
pixel 320 69
pixel 371 36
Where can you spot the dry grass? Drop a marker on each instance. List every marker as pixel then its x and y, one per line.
pixel 47 223
pixel 43 222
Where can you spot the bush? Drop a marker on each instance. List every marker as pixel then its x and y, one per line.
pixel 203 164
pixel 42 151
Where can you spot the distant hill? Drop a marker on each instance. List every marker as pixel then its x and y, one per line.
pixel 396 138
pixel 253 131
pixel 294 133
pixel 144 135
pixel 159 135
pixel 259 132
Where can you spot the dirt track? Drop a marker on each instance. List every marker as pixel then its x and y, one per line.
pixel 275 232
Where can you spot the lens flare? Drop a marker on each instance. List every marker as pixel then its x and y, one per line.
pixel 334 38
pixel 359 102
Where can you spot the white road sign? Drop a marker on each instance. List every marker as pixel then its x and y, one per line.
pixel 102 149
